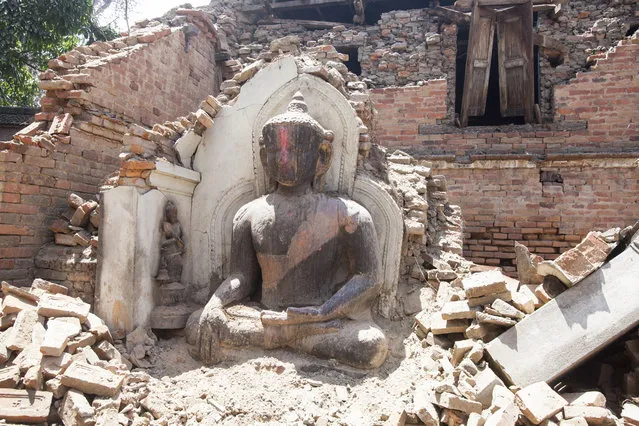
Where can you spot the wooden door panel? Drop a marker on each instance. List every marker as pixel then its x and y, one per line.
pixel 480 49
pixel 515 60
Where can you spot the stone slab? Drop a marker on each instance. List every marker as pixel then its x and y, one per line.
pixel 458 309
pixel 59 331
pixel 59 305
pixel 539 402
pixel 572 327
pixel 18 405
pixel 92 379
pixel 484 284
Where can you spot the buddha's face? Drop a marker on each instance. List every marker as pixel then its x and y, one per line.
pixel 294 153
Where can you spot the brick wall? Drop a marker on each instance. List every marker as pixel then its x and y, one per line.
pixel 154 74
pixel 505 201
pixel 401 110
pixel 34 183
pixel 545 185
pixel 159 81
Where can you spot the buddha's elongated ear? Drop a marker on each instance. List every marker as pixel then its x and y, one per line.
pixel 325 156
pixel 262 151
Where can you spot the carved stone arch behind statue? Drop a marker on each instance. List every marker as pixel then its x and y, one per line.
pixel 331 109
pixel 221 230
pixel 389 224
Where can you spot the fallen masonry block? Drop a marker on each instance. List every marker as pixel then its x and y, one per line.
pixel 506 296
pixel 50 287
pixel 27 358
pixel 454 402
pixel 5 353
pixel 438 325
pixel 485 318
pixel 422 320
pixel 20 292
pixel 17 405
pixel 55 365
pixel 9 377
pixel 424 408
pixel 81 340
pixel 630 414
pixel 592 415
pixel 591 398
pixel 59 331
pixel 12 304
pixel 458 310
pixel 461 348
pixel 484 284
pixel 33 378
pixel 21 333
pixel 92 379
pixel 527 265
pixel 571 327
pixel 56 387
pixel 577 263
pixel 58 305
pixel 506 310
pixel 522 301
pixel 484 332
pixel 506 416
pixel 76 410
pixel 539 402
pixel 7 321
pixel 502 397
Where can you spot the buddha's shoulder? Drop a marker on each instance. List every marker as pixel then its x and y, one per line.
pixel 349 211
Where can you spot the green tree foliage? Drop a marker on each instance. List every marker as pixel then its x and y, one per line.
pixel 34 31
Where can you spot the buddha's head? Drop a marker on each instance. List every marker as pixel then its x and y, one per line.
pixel 294 148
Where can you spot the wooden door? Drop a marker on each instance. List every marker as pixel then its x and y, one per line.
pixel 515 60
pixel 480 50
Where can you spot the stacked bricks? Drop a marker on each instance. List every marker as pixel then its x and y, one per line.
pixel 34 184
pixel 73 267
pixel 401 110
pixel 503 202
pixel 148 77
pixel 606 97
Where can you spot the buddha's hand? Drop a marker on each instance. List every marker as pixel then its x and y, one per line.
pixel 212 318
pixel 304 315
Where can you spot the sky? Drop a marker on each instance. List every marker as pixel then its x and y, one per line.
pixel 143 9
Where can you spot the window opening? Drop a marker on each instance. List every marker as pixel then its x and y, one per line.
pixel 352 64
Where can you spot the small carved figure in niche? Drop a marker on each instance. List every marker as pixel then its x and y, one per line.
pixel 172 247
pixel 305 265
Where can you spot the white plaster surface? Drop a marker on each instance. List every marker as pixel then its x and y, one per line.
pixel 117 263
pixel 186 147
pixel 389 225
pixel 129 247
pixel 148 235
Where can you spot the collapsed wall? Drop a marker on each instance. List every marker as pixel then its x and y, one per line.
pixel 92 94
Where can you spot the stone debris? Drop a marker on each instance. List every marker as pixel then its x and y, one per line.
pixel 48 368
pixel 538 402
pixel 79 225
pixel 579 262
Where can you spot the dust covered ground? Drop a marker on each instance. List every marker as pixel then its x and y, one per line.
pixel 281 387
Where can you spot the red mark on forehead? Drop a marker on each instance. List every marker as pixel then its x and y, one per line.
pixel 284 149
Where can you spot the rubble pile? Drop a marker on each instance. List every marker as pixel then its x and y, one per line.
pixel 486 303
pixel 59 363
pixel 79 224
pixel 463 389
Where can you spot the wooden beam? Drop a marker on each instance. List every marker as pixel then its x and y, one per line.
pixel 451 14
pixel 303 4
pixel 543 7
pixel 310 24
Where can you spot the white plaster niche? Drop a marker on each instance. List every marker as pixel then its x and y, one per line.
pixel 231 172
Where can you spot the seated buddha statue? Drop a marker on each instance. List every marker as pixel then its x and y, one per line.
pixel 305 266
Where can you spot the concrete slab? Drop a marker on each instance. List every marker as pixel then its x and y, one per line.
pixel 572 327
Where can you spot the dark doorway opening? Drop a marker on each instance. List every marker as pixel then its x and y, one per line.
pixel 352 64
pixel 492 115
